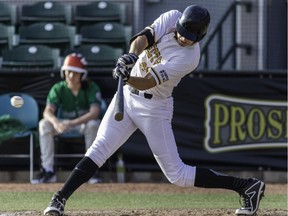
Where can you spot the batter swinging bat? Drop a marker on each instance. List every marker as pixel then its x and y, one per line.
pixel 119 104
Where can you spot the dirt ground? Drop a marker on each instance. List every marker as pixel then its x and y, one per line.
pixel 144 188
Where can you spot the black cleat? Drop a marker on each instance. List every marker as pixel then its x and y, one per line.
pixel 251 196
pixel 56 206
pixel 44 177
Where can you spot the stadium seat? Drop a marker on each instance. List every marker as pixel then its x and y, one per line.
pixel 46 11
pixel 109 33
pixel 6 37
pixel 56 35
pixel 28 115
pixel 31 56
pixel 99 11
pixel 8 13
pixel 99 55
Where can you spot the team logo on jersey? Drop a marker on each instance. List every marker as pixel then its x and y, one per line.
pixel 164 75
pixel 236 124
pixel 154 55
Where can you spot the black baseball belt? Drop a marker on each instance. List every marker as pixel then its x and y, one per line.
pixel 137 92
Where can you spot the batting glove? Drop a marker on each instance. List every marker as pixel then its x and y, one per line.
pixel 127 60
pixel 121 70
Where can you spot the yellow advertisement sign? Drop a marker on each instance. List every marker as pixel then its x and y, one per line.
pixel 237 123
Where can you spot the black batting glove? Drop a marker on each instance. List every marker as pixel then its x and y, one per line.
pixel 121 70
pixel 127 60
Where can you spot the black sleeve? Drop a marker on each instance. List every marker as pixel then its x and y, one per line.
pixel 148 34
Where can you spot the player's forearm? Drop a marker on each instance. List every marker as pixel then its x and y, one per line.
pixel 50 116
pixel 81 120
pixel 142 83
pixel 91 115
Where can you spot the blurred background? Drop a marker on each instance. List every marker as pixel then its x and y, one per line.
pixel 230 113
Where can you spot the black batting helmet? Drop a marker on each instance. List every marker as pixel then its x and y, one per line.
pixel 193 23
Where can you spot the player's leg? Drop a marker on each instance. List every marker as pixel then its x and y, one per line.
pixel 111 135
pixel 90 130
pixel 164 149
pixel 46 140
pixel 251 190
pixel 162 143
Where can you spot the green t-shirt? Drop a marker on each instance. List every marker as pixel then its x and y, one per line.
pixel 72 106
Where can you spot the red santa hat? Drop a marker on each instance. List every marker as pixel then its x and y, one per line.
pixel 74 62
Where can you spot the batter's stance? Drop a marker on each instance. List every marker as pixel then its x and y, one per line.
pixel 159 56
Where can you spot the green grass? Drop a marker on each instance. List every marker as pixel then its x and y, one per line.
pixel 17 201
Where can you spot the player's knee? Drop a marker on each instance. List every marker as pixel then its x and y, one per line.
pixel 98 152
pixel 45 127
pixel 92 126
pixel 183 177
pixel 180 183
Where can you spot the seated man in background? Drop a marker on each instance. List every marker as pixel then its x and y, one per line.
pixel 78 100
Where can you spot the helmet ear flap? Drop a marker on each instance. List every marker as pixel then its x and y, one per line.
pixel 84 76
pixel 62 75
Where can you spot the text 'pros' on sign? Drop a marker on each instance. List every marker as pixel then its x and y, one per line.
pixel 237 123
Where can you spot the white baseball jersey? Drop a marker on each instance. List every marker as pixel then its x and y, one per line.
pixel 168 62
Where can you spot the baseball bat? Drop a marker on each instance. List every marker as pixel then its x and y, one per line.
pixel 119 103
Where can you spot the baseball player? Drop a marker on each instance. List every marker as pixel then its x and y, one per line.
pixel 73 106
pixel 159 57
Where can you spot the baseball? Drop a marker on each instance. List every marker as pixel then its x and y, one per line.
pixel 17 101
